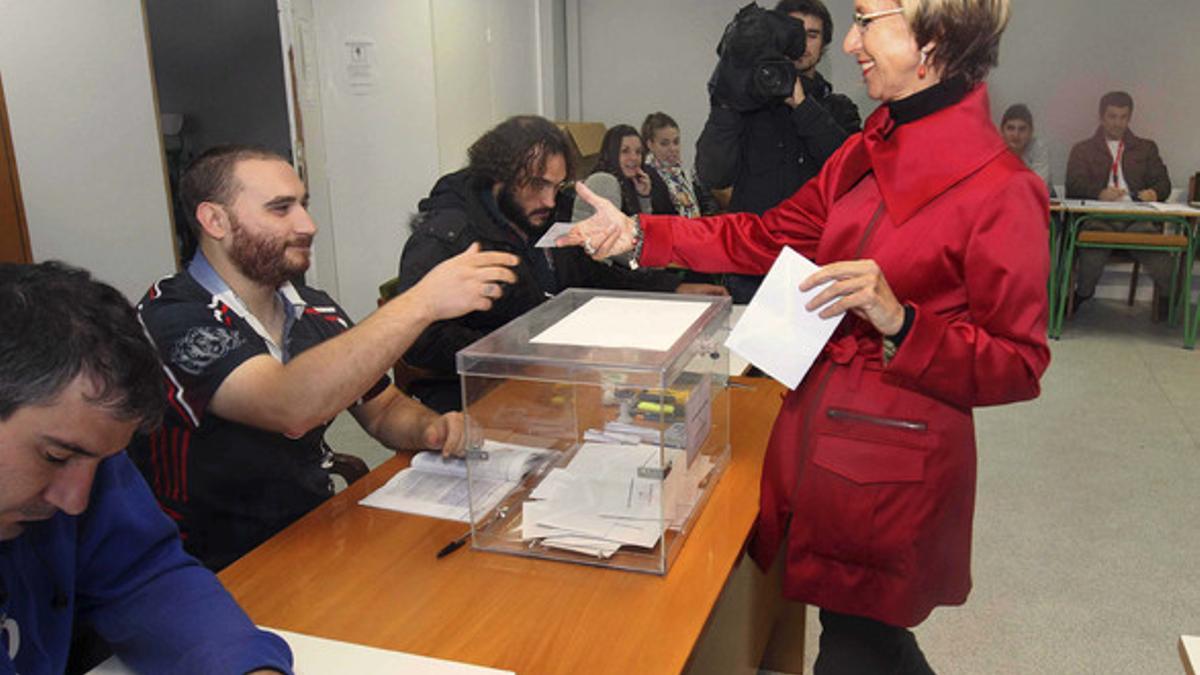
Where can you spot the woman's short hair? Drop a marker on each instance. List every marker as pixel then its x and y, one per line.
pixel 654 122
pixel 1017 111
pixel 966 34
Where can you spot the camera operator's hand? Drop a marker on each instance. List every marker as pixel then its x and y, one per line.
pixel 797 96
pixel 641 182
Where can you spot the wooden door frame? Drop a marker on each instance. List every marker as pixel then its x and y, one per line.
pixel 15 181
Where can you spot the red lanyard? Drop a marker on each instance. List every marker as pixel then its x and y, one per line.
pixel 1116 165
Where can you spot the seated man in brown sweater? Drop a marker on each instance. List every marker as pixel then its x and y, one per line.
pixel 1115 165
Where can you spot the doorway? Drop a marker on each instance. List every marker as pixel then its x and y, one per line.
pixel 220 78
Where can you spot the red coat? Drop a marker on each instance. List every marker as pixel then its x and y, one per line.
pixel 870 473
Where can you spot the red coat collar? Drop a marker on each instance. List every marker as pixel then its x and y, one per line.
pixel 915 162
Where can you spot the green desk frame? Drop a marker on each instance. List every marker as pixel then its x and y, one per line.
pixel 1062 277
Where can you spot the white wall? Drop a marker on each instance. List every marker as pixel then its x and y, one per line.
pixel 381 143
pixel 486 67
pixel 639 57
pixel 444 72
pixel 1059 57
pixel 80 102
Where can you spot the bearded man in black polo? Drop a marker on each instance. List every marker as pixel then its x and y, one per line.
pixel 257 365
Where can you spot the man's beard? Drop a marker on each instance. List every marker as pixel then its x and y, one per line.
pixel 264 259
pixel 507 201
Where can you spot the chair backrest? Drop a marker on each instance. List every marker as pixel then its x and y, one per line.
pixel 1193 193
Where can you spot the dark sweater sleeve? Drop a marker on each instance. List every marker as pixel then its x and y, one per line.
pixel 435 347
pixel 155 605
pixel 1080 181
pixel 1157 177
pixel 818 131
pixel 718 150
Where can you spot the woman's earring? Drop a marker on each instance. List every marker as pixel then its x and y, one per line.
pixel 921 72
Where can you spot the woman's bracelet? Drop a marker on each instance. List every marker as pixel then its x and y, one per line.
pixel 638 240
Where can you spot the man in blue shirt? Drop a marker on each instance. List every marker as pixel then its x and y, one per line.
pixel 80 533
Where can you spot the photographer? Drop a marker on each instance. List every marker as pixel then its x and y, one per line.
pixel 766 148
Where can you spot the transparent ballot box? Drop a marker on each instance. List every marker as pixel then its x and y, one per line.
pixel 597 426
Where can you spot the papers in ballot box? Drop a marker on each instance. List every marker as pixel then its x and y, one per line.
pixel 600 501
pixel 776 333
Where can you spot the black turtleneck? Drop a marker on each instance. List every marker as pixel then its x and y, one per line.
pixel 928 101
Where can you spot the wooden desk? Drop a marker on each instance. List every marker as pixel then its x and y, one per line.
pixel 368 576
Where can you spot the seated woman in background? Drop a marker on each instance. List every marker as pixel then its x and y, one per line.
pixel 1017 128
pixel 621 154
pixel 661 136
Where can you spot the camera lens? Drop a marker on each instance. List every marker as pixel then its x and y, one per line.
pixel 770 77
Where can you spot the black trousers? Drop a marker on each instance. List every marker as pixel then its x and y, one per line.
pixel 853 645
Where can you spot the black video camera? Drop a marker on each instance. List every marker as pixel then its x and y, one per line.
pixel 756 54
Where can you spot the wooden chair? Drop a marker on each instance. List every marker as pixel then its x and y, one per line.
pixel 349 467
pixel 403 373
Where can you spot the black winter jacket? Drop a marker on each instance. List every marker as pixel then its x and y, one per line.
pixel 767 154
pixel 461 210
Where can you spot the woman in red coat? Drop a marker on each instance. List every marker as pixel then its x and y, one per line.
pixel 933 237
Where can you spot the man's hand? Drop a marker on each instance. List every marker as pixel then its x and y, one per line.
pixel 468 282
pixel 1148 195
pixel 1111 194
pixel 641 182
pixel 607 233
pixel 446 433
pixel 702 289
pixel 797 96
pixel 858 286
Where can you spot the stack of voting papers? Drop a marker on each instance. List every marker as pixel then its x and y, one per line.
pixel 436 486
pixel 600 502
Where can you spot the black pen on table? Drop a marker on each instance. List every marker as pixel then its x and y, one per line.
pixel 454 545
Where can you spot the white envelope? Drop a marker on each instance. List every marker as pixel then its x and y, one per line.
pixel 776 333
pixel 551 235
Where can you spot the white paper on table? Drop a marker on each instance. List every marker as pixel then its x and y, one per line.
pixel 634 323
pixel 552 234
pixel 318 656
pixel 437 495
pixel 776 333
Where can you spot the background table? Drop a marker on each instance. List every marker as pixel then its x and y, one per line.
pixel 1074 212
pixel 368 576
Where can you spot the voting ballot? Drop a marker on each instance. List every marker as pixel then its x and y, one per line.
pixel 621 397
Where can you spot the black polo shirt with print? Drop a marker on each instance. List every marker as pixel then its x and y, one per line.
pixel 229 486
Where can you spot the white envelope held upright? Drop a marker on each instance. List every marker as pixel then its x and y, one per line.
pixel 776 333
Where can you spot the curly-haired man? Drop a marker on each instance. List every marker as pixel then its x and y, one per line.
pixel 513 186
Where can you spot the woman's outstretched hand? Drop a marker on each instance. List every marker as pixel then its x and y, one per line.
pixel 605 234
